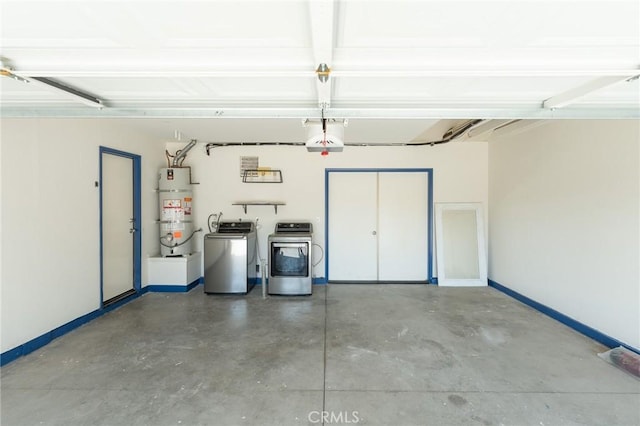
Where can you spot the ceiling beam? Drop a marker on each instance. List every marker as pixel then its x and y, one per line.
pixel 321 15
pixel 621 74
pixel 575 94
pixel 506 112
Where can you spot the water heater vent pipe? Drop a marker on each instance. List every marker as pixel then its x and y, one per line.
pixel 180 155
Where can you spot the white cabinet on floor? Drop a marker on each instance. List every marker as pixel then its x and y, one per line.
pixel 174 271
pixel 378 226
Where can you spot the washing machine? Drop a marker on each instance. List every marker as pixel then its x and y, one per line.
pixel 230 258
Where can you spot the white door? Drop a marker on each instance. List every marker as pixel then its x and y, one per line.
pixel 353 252
pixel 117 226
pixel 378 226
pixel 402 223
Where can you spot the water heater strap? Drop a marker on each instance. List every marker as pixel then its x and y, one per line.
pixel 173 190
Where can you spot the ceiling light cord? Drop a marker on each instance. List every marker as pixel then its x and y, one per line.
pixel 324 151
pixel 324 127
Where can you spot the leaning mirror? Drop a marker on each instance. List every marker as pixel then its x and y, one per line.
pixel 460 245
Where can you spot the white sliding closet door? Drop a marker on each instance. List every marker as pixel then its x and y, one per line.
pixel 352 226
pixel 402 223
pixel 378 226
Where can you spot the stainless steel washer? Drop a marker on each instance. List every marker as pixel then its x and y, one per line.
pixel 230 258
pixel 290 265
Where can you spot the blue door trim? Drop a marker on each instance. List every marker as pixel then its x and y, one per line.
pixel 137 222
pixel 429 173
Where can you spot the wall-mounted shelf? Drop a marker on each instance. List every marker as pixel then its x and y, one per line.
pixel 262 176
pixel 244 204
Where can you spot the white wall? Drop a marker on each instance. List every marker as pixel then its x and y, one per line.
pixel 460 174
pixel 564 223
pixel 50 218
pixel 50 213
pixel 1 234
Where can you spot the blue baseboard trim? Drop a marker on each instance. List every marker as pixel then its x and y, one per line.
pixel 46 338
pixel 564 319
pixel 157 288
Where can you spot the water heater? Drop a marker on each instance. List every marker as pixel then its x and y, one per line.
pixel 175 199
pixel 176 224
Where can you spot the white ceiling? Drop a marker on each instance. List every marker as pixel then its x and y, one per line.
pixel 244 70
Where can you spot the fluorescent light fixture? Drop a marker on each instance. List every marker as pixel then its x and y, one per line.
pixel 76 94
pixel 517 126
pixel 572 95
pixel 486 127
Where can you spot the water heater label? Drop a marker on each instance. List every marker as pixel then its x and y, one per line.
pixel 187 205
pixel 172 226
pixel 172 210
pixel 172 215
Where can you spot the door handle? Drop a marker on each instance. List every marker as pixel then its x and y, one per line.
pixel 374 233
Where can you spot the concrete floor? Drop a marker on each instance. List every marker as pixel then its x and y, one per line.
pixel 363 354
